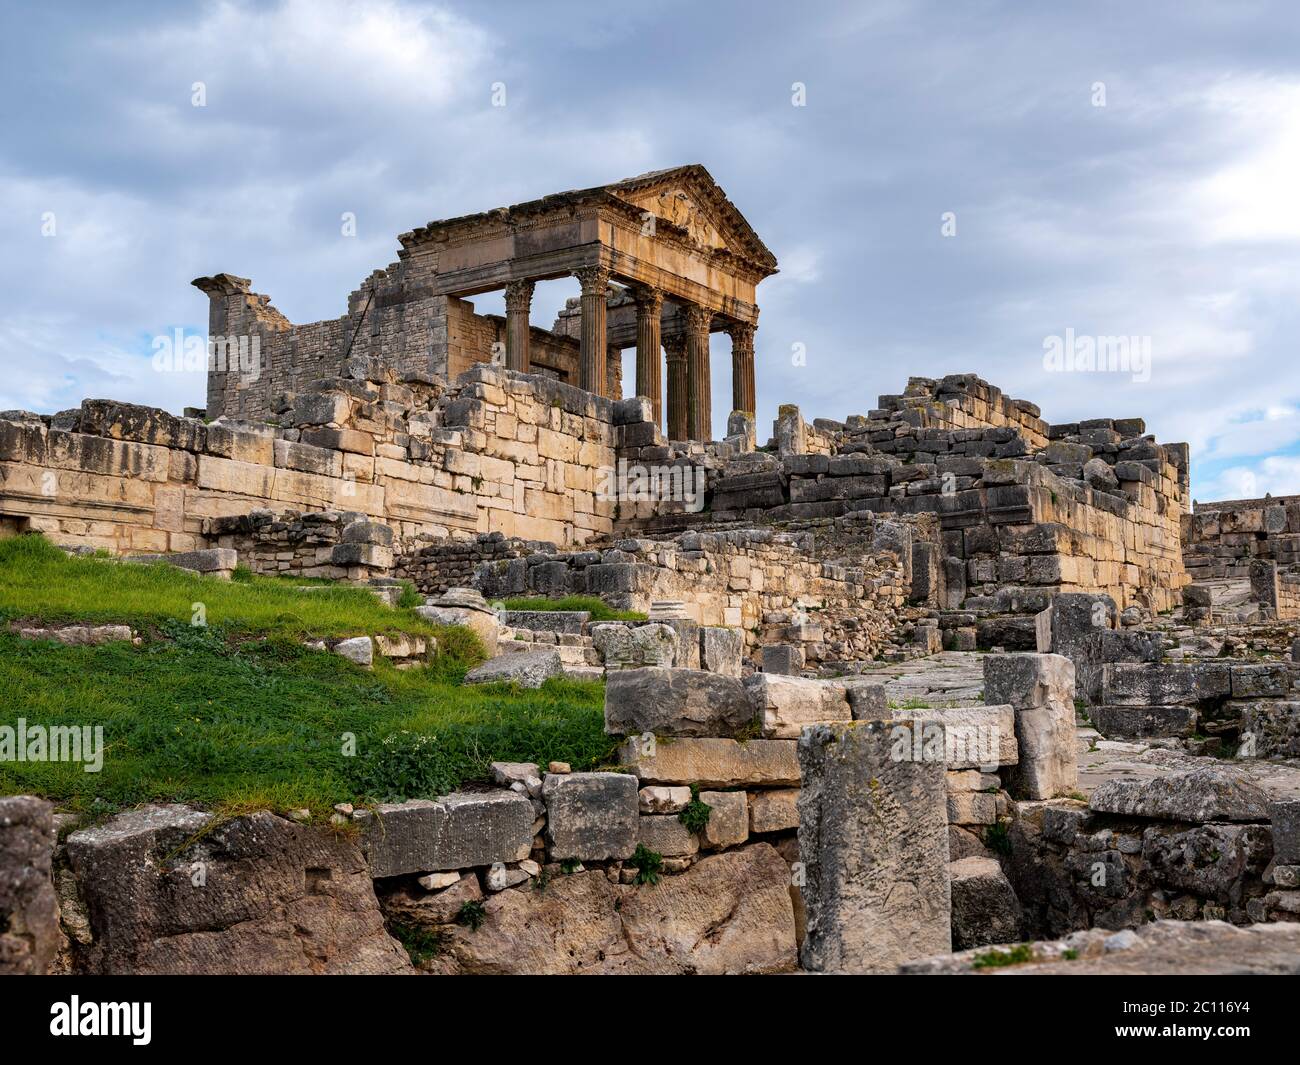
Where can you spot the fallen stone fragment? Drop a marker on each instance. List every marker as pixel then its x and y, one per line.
pixel 1211 793
pixel 528 669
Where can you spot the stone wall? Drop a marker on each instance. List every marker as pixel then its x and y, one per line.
pixel 519 454
pixel 809 587
pixel 1220 540
pixel 1027 510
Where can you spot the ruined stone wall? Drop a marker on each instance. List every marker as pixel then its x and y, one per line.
pixel 393 322
pixel 502 452
pixel 1220 540
pixel 777 586
pixel 964 401
pixel 1027 510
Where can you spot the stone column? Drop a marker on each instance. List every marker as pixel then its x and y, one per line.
pixel 519 298
pixel 742 367
pixel 675 350
pixel 595 283
pixel 649 382
pixel 699 392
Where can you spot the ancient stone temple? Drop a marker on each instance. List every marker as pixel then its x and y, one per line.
pixel 662 260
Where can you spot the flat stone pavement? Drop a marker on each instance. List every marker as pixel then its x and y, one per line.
pixel 956 678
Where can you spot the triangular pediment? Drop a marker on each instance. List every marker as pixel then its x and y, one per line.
pixel 688 199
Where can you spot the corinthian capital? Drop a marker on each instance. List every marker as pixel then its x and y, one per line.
pixel 648 300
pixel 697 318
pixel 742 335
pixel 594 279
pixel 519 296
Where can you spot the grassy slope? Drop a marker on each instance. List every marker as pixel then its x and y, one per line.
pixel 240 714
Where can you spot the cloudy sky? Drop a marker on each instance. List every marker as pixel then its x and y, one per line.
pixel 962 183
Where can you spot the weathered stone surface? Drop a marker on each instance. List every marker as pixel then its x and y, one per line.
pixel 1138 722
pixel 591 816
pixel 1164 684
pixel 729 913
pixel 1173 948
pixel 528 669
pixel 960 737
pixel 721 650
pixel 310 908
pixel 1285 818
pixel 773 810
pixel 411 905
pixel 218 561
pixel 783 659
pixel 456 831
pixel 79 635
pixel 676 702
pixel 29 909
pixel 728 823
pixel 984 906
pixel 482 620
pixel 358 649
pixel 868 701
pixel 873 839
pixel 665 834
pixel 713 763
pixel 1211 793
pixel 1040 688
pixel 657 799
pixel 783 706
pixel 623 646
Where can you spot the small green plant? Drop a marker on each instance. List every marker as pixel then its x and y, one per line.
pixel 471 914
pixel 410 597
pixel 998 838
pixel 997 959
pixel 422 944
pixel 697 814
pixel 570 866
pixel 1069 954
pixel 404 765
pixel 649 865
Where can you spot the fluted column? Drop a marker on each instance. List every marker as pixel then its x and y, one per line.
pixel 675 349
pixel 742 367
pixel 649 382
pixel 699 393
pixel 519 298
pixel 592 350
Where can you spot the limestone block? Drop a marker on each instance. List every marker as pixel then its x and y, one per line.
pixel 1040 688
pixel 774 810
pixel 456 831
pixel 873 839
pixel 985 909
pixel 1212 793
pixel 728 824
pixel 29 910
pixel 529 669
pixel 784 659
pixel 358 649
pixel 783 706
pixel 591 816
pixel 657 799
pixel 1285 818
pixel 962 737
pixel 666 835
pixel 675 702
pixel 713 763
pixel 721 650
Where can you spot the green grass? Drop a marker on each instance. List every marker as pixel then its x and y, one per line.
pixel 38 580
pixel 595 606
pixel 239 714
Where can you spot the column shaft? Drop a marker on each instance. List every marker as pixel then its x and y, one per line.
pixel 742 367
pixel 519 298
pixel 649 382
pixel 592 350
pixel 675 348
pixel 699 397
